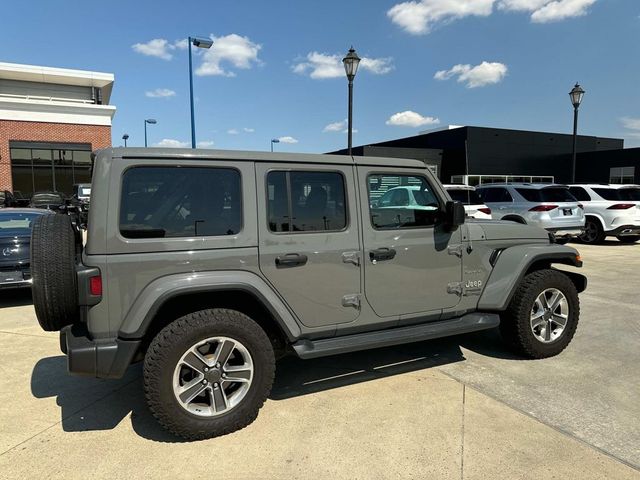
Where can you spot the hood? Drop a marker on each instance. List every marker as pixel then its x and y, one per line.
pixel 15 250
pixel 505 230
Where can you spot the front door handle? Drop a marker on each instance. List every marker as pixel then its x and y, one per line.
pixel 291 260
pixel 380 254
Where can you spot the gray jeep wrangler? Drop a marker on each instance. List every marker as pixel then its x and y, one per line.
pixel 208 265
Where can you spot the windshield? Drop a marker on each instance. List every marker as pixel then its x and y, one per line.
pixel 549 194
pixel 467 197
pixel 16 223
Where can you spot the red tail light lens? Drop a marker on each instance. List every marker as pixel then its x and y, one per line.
pixel 621 206
pixel 542 208
pixel 485 210
pixel 95 285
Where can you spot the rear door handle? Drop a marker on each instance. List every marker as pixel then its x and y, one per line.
pixel 291 260
pixel 380 254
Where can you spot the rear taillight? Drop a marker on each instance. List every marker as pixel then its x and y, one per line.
pixel 542 208
pixel 621 206
pixel 485 210
pixel 95 285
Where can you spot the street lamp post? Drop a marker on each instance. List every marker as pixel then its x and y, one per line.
pixel 200 43
pixel 350 63
pixel 576 95
pixel 125 137
pixel 150 121
pixel 274 140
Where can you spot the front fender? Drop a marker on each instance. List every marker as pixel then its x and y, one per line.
pixel 150 300
pixel 512 265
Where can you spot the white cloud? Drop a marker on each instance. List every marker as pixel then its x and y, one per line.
pixel 486 73
pixel 205 144
pixel 287 139
pixel 160 93
pixel 171 143
pixel 411 119
pixel 631 124
pixel 336 126
pixel 419 17
pixel 181 44
pixel 233 131
pixel 230 50
pixel 323 65
pixel 249 130
pixel 159 47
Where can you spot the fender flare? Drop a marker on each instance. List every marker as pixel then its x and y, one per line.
pixel 513 263
pixel 154 295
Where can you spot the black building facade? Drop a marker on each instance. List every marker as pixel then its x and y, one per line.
pixel 499 152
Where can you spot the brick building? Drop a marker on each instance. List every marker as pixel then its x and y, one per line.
pixel 50 121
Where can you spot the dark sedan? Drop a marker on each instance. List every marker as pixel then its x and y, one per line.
pixel 15 238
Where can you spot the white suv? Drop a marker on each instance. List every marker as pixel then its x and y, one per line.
pixel 546 205
pixel 467 195
pixel 610 210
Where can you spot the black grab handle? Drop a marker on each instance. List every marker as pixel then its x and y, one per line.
pixel 291 260
pixel 380 254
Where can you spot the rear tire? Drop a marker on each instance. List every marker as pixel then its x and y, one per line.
pixel 170 376
pixel 629 238
pixel 593 232
pixel 53 270
pixel 534 327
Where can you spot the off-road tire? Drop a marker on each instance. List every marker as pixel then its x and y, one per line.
pixel 515 325
pixel 629 238
pixel 169 345
pixel 53 270
pixel 599 236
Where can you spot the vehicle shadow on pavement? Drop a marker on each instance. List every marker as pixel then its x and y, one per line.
pixel 18 297
pixel 90 404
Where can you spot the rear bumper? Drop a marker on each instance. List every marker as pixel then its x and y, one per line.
pixel 16 284
pixel 566 231
pixel 96 358
pixel 624 230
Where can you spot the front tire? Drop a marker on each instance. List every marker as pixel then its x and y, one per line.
pixel 542 316
pixel 628 238
pixel 208 373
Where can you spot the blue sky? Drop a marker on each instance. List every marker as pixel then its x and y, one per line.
pixel 274 70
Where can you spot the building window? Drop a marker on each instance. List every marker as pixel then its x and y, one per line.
pixel 622 174
pixel 37 167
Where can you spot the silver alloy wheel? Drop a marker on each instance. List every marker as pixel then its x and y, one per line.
pixel 590 232
pixel 213 376
pixel 549 315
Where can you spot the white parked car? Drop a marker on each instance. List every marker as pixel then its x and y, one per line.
pixel 468 196
pixel 549 206
pixel 610 210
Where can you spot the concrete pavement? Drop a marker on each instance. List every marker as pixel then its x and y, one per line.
pixel 457 408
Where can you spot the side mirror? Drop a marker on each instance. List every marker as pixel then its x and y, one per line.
pixel 454 214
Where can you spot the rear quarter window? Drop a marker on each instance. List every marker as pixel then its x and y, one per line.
pixel 164 202
pixel 467 197
pixel 550 194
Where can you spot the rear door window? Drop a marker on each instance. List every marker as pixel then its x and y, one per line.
pixel 164 202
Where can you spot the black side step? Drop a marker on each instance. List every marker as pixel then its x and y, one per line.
pixel 470 322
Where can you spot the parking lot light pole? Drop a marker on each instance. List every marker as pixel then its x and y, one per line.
pixel 274 140
pixel 576 95
pixel 200 43
pixel 351 62
pixel 125 137
pixel 150 121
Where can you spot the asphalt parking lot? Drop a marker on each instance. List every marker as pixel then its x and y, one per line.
pixel 462 407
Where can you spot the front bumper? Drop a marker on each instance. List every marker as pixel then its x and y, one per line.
pixel 624 231
pixel 107 358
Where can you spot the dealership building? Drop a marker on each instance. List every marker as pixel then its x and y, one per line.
pixel 50 121
pixel 474 155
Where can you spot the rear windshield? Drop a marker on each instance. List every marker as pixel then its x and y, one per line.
pixel 467 197
pixel 549 194
pixel 16 223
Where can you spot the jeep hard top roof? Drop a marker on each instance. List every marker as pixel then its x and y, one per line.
pixel 253 156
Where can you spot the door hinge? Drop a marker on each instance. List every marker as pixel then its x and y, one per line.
pixel 351 257
pixel 455 250
pixel 455 288
pixel 352 300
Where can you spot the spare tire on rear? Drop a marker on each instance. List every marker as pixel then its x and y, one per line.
pixel 53 270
